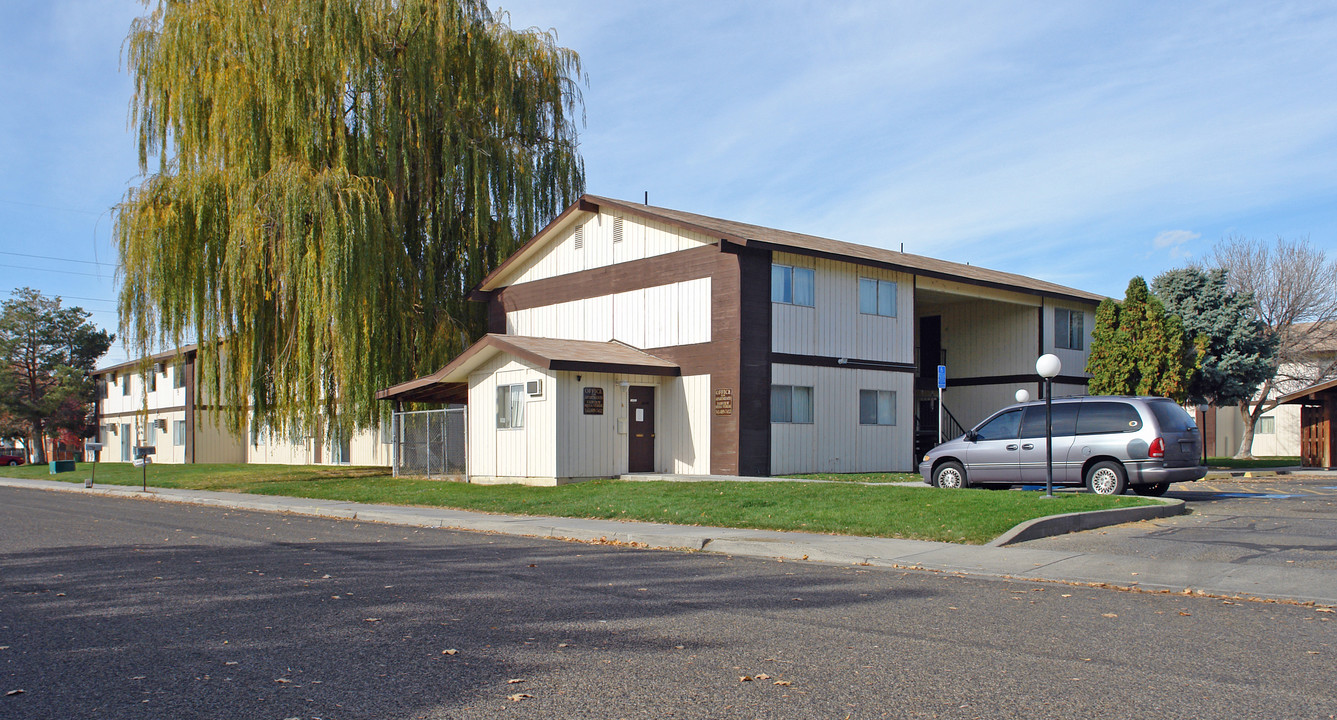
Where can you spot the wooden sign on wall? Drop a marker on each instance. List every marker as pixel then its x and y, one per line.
pixel 724 401
pixel 594 401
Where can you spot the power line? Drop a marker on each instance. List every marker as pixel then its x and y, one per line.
pixel 51 207
pixel 61 259
pixel 67 272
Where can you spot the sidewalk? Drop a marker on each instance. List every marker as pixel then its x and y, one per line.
pixel 1226 579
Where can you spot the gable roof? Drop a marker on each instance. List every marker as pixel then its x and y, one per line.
pixel 1303 394
pixel 449 384
pixel 181 352
pixel 765 238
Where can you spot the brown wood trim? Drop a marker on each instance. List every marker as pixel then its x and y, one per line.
pixel 793 250
pixel 753 400
pixel 850 363
pixel 581 205
pixel 188 367
pixel 584 366
pixel 647 212
pixel 596 282
pixel 1024 378
pixel 151 411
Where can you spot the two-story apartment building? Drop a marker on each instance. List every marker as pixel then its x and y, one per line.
pixel 157 403
pixel 627 338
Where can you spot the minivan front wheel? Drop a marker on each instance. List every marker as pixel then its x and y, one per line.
pixel 1107 478
pixel 950 475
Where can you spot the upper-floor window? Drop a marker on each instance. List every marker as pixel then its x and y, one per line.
pixel 179 375
pixel 125 384
pixel 1069 329
pixel 793 285
pixel 877 297
pixel 791 404
pixel 153 381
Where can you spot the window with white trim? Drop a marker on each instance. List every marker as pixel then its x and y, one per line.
pixel 178 432
pixel 1267 425
pixel 793 285
pixel 791 404
pixel 877 407
pixel 1069 329
pixel 877 297
pixel 510 406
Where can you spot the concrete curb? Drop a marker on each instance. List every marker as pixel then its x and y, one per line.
pixel 1051 525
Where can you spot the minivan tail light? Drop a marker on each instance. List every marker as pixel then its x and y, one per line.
pixel 1157 449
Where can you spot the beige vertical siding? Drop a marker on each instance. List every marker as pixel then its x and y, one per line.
pixel 983 339
pixel 834 327
pixel 660 316
pixel 683 425
pixel 835 441
pixel 641 239
pixel 526 452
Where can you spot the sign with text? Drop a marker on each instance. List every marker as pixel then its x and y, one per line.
pixel 594 401
pixel 942 376
pixel 723 401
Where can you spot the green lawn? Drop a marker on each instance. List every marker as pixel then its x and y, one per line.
pixel 964 516
pixel 862 477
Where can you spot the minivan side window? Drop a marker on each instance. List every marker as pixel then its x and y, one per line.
pixel 1099 418
pixel 1065 420
pixel 1003 427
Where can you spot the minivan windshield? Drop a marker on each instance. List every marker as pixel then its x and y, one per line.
pixel 1171 417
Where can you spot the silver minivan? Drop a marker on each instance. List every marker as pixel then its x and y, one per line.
pixel 1110 444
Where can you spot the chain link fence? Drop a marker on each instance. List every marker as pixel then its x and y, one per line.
pixel 431 443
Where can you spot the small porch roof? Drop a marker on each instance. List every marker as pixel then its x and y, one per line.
pixel 451 383
pixel 1304 394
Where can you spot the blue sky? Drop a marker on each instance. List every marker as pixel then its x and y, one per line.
pixel 1081 143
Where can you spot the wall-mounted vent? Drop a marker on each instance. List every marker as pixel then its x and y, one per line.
pixel 617 229
pixel 534 388
pixel 160 368
pixel 579 240
pixel 161 425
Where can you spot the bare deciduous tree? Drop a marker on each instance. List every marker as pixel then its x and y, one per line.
pixel 1295 287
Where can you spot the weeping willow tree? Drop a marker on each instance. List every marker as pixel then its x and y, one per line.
pixel 325 180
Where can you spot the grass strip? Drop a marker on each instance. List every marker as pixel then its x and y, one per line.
pixel 961 516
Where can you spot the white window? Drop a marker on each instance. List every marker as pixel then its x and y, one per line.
pixel 178 432
pixel 125 385
pixel 179 375
pixel 791 404
pixel 792 285
pixel 153 381
pixel 877 407
pixel 1267 425
pixel 877 297
pixel 1069 330
pixel 510 406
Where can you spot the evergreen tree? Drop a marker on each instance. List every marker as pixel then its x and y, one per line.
pixel 327 179
pixel 46 354
pixel 1139 349
pixel 1238 350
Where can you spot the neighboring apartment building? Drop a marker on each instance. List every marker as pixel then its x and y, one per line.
pixel 630 338
pixel 1278 431
pixel 162 408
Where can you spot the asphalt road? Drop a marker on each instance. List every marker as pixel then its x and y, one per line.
pixel 130 609
pixel 1284 521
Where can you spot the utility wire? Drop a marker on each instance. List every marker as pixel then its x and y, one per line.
pixel 67 272
pixel 61 259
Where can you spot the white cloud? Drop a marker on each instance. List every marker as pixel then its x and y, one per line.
pixel 1174 241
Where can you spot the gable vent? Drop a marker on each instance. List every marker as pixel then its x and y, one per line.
pixel 617 229
pixel 579 240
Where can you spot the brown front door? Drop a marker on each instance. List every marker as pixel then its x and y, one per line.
pixel 641 439
pixel 1315 436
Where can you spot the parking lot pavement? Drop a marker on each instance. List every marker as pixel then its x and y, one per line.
pixel 1285 521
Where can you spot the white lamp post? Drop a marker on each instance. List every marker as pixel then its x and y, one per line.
pixel 1023 395
pixel 1048 366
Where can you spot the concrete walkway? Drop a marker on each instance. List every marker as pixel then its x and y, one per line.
pixel 1221 579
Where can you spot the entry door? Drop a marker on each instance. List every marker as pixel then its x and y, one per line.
pixel 641 440
pixel 930 346
pixel 125 443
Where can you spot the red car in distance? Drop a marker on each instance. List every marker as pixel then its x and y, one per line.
pixel 11 457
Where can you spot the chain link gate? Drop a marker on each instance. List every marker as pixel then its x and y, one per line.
pixel 431 443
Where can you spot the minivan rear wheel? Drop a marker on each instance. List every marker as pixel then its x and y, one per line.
pixel 1107 478
pixel 950 475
